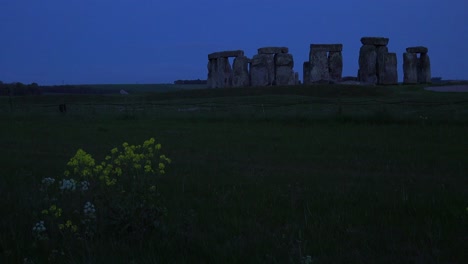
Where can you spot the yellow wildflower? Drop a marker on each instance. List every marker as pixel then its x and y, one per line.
pixel 68 223
pixel 45 211
pixel 148 168
pixel 58 213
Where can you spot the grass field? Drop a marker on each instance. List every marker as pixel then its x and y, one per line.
pixel 335 173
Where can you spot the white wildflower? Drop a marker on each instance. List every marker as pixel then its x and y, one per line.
pixel 89 210
pixel 39 227
pixel 84 185
pixel 48 181
pixel 68 185
pixel 40 231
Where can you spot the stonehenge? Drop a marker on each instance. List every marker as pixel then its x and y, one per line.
pixel 271 66
pixel 220 73
pixel 274 66
pixel 376 64
pixel 325 63
pixel 416 65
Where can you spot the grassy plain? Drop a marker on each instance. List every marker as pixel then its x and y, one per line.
pixel 260 175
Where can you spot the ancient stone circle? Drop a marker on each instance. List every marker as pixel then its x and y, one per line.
pixel 325 63
pixel 274 66
pixel 416 69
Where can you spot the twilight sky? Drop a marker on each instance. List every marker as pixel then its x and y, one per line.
pixel 149 41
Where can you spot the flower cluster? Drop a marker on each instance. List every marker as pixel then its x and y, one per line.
pixel 48 181
pixel 84 186
pixel 122 187
pixel 68 185
pixel 89 210
pixel 68 226
pixel 39 230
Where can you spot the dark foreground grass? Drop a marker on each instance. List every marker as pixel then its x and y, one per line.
pixel 247 188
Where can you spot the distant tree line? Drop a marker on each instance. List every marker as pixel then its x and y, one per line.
pixel 197 81
pixel 75 89
pixel 19 89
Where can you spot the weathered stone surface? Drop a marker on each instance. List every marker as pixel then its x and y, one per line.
pixel 390 70
pixel 226 54
pixel 259 70
pixel 326 47
pixel 273 50
pixel 292 78
pixel 376 41
pixel 224 73
pixel 410 68
pixel 284 74
pixel 335 65
pixel 319 66
pixel 284 59
pixel 241 77
pixel 306 73
pixel 424 69
pixel 349 78
pixel 382 52
pixel 270 60
pixel 296 78
pixel 212 71
pixel 368 64
pixel 418 49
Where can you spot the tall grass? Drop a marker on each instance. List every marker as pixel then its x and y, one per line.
pixel 262 183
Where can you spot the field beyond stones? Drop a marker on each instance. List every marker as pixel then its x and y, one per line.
pixel 303 174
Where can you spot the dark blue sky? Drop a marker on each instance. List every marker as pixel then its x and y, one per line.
pixel 143 41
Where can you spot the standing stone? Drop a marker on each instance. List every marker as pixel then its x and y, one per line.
pixel 284 73
pixel 224 76
pixel 335 65
pixel 240 68
pixel 390 70
pixel 296 78
pixel 270 62
pixel 410 68
pixel 259 70
pixel 319 66
pixel 382 52
pixel 368 64
pixel 211 81
pixel 306 73
pixel 424 69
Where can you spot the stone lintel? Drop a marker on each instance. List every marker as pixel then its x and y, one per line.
pixel 226 54
pixel 418 49
pixel 326 47
pixel 273 50
pixel 376 41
